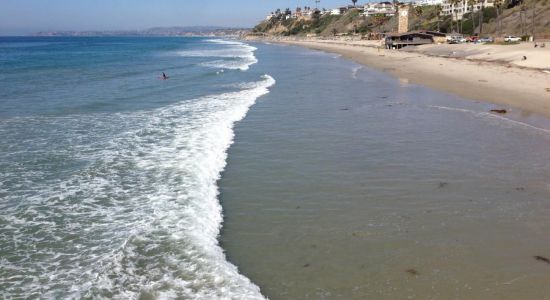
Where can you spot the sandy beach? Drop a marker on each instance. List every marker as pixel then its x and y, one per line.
pixel 493 73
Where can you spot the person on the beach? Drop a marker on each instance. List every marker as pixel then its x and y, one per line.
pixel 164 77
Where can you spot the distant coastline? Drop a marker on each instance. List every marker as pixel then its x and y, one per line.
pixel 157 31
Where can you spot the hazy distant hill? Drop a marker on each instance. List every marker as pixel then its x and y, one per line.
pixel 156 31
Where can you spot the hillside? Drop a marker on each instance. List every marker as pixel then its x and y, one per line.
pixel 352 22
pixel 514 20
pixel 511 20
pixel 323 25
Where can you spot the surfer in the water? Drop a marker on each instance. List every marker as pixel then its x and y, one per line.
pixel 164 77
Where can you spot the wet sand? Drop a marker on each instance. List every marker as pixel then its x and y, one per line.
pixel 493 79
pixel 345 183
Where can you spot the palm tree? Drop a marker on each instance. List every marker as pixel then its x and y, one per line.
pixel 463 2
pixel 438 10
pixel 354 1
pixel 498 5
pixel 533 19
pixel 454 3
pixel 471 4
pixel 523 9
pixel 481 16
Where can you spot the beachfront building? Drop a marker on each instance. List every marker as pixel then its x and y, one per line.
pixel 304 13
pixel 381 8
pixel 339 11
pixel 400 40
pixel 458 10
pixel 359 8
pixel 297 13
pixel 308 11
pixel 428 2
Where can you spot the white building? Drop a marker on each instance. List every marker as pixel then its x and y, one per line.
pixel 338 11
pixel 308 12
pixel 457 11
pixel 428 2
pixel 382 8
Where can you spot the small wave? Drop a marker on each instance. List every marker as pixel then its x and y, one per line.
pixel 242 63
pixel 355 71
pixel 236 56
pixel 493 116
pixel 224 42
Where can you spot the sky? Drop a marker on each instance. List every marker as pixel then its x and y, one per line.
pixel 20 17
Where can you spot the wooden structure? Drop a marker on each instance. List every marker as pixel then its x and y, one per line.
pixel 438 37
pixel 400 40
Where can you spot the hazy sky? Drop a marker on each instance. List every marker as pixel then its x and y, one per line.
pixel 28 16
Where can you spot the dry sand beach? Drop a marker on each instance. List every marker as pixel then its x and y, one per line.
pixel 494 73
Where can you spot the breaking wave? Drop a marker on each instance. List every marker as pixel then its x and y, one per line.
pixel 235 56
pixel 137 217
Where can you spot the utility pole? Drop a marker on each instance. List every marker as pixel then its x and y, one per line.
pixel 533 20
pixel 522 18
pixel 317 4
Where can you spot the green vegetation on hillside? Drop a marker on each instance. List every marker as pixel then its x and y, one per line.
pixel 352 22
pixel 509 17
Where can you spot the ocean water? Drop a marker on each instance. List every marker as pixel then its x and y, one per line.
pixel 341 182
pixel 347 183
pixel 108 173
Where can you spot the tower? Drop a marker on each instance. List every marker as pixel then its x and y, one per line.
pixel 403 19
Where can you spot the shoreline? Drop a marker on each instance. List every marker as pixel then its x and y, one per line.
pixel 361 188
pixel 509 84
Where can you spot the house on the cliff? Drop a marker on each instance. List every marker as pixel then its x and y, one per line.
pixel 376 9
pixel 339 11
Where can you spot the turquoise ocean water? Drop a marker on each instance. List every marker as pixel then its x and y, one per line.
pixel 108 173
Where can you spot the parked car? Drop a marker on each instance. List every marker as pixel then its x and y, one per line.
pixel 457 41
pixel 485 40
pixel 472 39
pixel 511 38
pixel 453 39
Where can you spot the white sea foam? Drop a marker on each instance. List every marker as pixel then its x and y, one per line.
pixel 141 218
pixel 356 70
pixel 234 55
pixel 224 42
